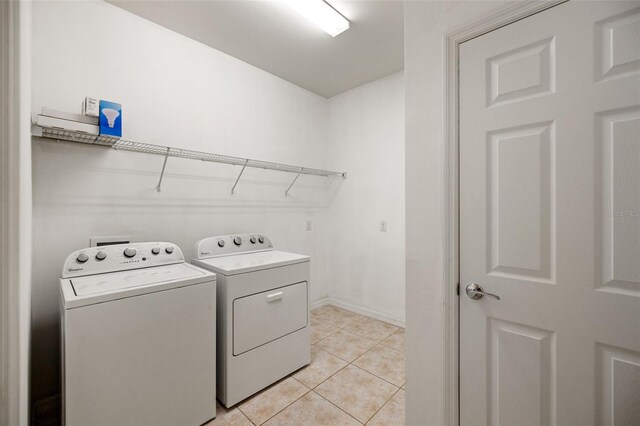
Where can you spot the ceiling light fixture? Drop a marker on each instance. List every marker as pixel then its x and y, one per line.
pixel 322 14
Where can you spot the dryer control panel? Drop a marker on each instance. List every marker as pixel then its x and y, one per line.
pixel 226 245
pixel 120 257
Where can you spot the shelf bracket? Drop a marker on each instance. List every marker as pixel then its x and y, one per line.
pixel 238 178
pixel 286 193
pixel 166 156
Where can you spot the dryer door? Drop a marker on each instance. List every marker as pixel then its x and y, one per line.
pixel 267 316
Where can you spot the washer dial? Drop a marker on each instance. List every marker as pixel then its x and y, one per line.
pixel 130 252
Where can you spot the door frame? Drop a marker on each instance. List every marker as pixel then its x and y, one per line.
pixel 15 210
pixel 451 194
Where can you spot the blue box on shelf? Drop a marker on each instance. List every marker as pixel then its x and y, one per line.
pixel 110 119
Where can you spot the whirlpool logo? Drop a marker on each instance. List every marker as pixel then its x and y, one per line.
pixel 74 269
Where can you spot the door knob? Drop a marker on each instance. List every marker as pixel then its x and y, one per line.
pixel 475 292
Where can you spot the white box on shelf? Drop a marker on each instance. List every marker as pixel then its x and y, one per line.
pixel 91 107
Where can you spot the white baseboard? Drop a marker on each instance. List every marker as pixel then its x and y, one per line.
pixel 319 303
pixel 358 309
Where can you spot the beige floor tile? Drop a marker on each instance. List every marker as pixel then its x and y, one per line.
pixel 312 410
pixel 324 309
pixel 261 407
pixel 372 329
pixel 385 363
pixel 345 345
pixel 320 330
pixel 323 365
pixel 317 314
pixel 395 341
pixel 392 414
pixel 229 417
pixel 336 316
pixel 357 392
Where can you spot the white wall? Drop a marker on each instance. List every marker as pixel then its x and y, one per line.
pixel 426 26
pixel 177 92
pixel 366 139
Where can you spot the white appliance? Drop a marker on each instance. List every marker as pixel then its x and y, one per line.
pixel 263 312
pixel 138 337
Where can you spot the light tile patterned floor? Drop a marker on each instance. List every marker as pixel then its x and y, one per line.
pixel 356 376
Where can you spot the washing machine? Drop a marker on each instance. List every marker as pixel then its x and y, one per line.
pixel 138 337
pixel 263 312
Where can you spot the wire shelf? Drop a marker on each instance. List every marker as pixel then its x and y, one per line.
pixel 71 135
pixel 77 136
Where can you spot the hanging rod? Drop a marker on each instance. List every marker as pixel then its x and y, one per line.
pixel 146 148
pixel 67 127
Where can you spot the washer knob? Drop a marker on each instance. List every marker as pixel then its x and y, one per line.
pixel 155 250
pixel 237 241
pixel 220 243
pixel 82 257
pixel 101 255
pixel 130 252
pixel 261 239
pixel 253 240
pixel 169 250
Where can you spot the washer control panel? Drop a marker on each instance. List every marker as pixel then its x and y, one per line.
pixel 232 244
pixel 120 257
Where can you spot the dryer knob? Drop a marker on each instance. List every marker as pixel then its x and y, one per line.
pixel 169 250
pixel 82 257
pixel 253 240
pixel 220 243
pixel 155 250
pixel 130 252
pixel 101 255
pixel 237 241
pixel 261 239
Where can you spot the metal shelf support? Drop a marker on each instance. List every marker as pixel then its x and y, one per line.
pixel 286 193
pixel 164 165
pixel 244 166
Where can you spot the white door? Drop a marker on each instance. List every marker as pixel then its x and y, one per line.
pixel 550 219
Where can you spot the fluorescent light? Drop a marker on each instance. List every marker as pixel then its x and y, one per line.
pixel 322 14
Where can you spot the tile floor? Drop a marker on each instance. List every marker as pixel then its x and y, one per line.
pixel 356 376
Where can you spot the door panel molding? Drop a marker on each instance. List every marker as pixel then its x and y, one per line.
pixel 514 344
pixel 450 189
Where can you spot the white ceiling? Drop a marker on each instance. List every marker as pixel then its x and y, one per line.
pixel 273 37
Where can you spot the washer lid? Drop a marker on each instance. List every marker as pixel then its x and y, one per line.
pixel 103 283
pixel 249 262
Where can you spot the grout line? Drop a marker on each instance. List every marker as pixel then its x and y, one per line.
pixel 348 363
pixel 330 402
pixel 342 368
pixel 373 374
pixel 383 405
pixel 288 405
pixel 292 402
pixel 245 415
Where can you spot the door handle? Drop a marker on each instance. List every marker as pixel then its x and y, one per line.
pixel 275 296
pixel 475 292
